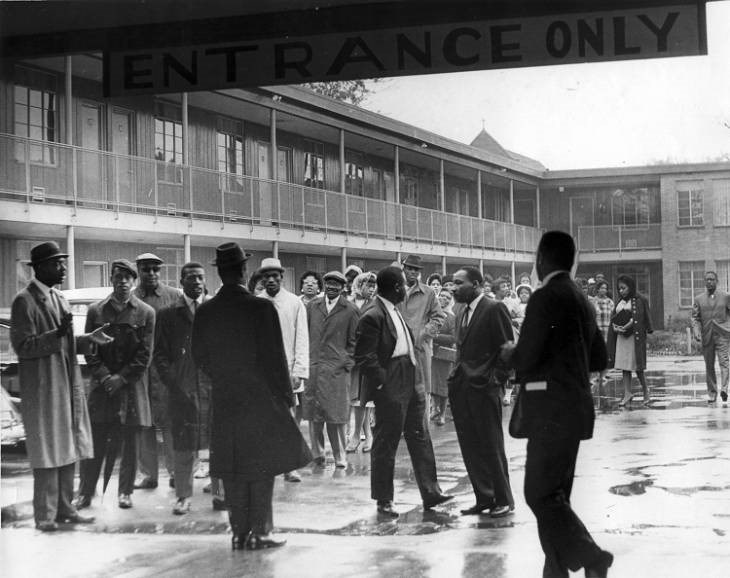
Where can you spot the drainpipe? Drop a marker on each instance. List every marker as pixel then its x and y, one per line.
pixel 186 248
pixel 70 262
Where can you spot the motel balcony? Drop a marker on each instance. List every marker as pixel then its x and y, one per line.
pixel 620 238
pixel 41 172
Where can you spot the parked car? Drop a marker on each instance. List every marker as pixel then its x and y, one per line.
pixel 8 360
pixel 13 431
pixel 80 299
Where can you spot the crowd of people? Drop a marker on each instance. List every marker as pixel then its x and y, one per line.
pixel 369 357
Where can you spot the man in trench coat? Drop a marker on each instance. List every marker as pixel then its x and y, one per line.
pixel 54 408
pixel 237 342
pixel 332 325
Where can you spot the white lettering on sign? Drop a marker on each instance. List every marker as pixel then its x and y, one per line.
pixel 593 37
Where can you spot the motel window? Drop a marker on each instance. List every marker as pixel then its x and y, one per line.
pixel 409 194
pixel 630 207
pixel 314 164
pixel 691 281
pixel 229 154
pixel 170 269
pixel 168 143
pixel 354 178
pixel 722 268
pixel 721 191
pixel 36 117
pixel 690 204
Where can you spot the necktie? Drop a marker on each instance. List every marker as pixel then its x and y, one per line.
pixel 195 306
pixel 465 318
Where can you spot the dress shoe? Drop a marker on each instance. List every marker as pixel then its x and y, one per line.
pixel 341 465
pixel 182 507
pixel 723 396
pixel 82 502
pixel 599 568
pixel 386 509
pixel 75 518
pixel 238 541
pixel 207 488
pixel 476 510
pixel 46 526
pixel 145 484
pixel 352 447
pixel 125 501
pixel 436 500
pixel 219 504
pixel 501 511
pixel 320 461
pixel 262 541
pixel 368 445
pixel 292 476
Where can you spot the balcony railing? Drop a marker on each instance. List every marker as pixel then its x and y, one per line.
pixel 122 183
pixel 620 238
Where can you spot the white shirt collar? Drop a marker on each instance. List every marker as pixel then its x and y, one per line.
pixel 388 305
pixel 189 301
pixel 45 289
pixel 552 274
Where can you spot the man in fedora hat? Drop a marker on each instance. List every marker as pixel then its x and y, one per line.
pixel 422 313
pixel 157 295
pixel 237 342
pixel 119 403
pixel 55 414
pixel 332 324
pixel 293 320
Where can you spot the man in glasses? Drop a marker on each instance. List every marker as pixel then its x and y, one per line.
pixel 158 296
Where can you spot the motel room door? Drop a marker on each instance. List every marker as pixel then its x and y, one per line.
pixel 582 221
pixel 264 190
pixel 121 144
pixel 89 159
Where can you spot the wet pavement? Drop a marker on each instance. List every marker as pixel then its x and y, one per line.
pixel 653 487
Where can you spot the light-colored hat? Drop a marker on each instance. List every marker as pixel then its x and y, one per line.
pixel 336 275
pixel 270 264
pixel 149 257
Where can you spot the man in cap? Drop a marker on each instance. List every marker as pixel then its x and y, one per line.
pixel 188 389
pixel 385 353
pixel 422 313
pixel 293 320
pixel 119 402
pixel 237 342
pixel 55 414
pixel 157 295
pixel 326 400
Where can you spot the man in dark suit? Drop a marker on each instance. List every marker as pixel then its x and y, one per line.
pixel 237 342
pixel 385 353
pixel 560 344
pixel 475 393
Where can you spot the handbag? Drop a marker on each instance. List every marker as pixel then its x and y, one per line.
pixel 517 421
pixel 622 318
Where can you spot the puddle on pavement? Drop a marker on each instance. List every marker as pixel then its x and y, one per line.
pixel 632 489
pixel 668 390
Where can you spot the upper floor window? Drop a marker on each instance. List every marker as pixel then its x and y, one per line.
pixel 314 164
pixel 722 268
pixel 690 204
pixel 168 142
pixel 409 193
pixel 691 281
pixel 354 177
pixel 229 146
pixel 630 207
pixel 35 117
pixel 721 191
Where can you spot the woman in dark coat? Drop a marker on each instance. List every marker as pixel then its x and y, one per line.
pixel 630 324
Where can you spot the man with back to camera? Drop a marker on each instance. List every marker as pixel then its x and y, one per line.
pixel 560 344
pixel 482 327
pixel 711 327
pixel 157 295
pixel 55 413
pixel 118 396
pixel 386 356
pixel 237 342
pixel 294 331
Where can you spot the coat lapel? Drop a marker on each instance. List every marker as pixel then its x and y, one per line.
pixel 43 304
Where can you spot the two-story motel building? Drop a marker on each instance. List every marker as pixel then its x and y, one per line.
pixel 321 184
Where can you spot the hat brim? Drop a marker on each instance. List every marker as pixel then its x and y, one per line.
pixel 44 259
pixel 413 265
pixel 265 269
